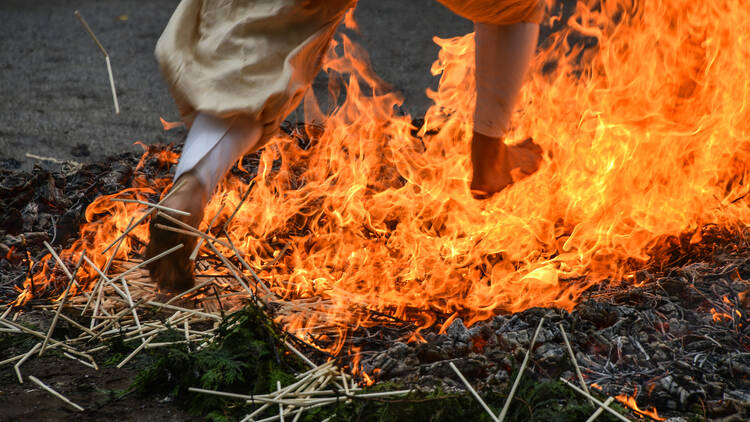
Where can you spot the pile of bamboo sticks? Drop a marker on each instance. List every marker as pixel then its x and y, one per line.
pixel 126 305
pixel 322 385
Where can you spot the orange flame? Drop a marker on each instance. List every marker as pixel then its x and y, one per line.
pixel 646 135
pixel 629 401
pixel 170 125
pixel 720 316
pixel 105 221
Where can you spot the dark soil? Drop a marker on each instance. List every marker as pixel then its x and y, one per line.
pixel 103 393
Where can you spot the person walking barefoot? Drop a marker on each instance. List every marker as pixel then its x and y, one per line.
pixel 237 68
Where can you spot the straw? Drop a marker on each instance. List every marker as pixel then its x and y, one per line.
pixel 473 392
pixel 520 371
pixel 598 402
pixel 198 245
pixel 17 366
pixel 144 216
pixel 575 361
pixel 152 205
pixel 55 393
pixel 600 410
pixel 106 58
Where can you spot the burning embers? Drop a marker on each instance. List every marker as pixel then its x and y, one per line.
pixel 645 125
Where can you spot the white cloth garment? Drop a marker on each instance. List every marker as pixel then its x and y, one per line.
pixel 236 68
pixel 214 144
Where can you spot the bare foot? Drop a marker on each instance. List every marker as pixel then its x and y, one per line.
pixel 174 272
pixel 497 165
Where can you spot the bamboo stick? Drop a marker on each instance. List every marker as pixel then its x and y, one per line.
pixel 300 355
pixel 91 33
pixel 106 279
pixel 520 371
pixel 188 230
pixel 130 303
pixel 177 308
pixel 152 205
pixel 231 268
pixel 598 402
pixel 198 245
pixel 247 266
pixel 281 406
pixel 188 291
pixel 575 361
pixel 144 216
pixel 69 356
pixel 65 268
pixel 106 58
pixel 112 85
pixel 55 393
pixel 136 351
pixel 62 301
pixel 474 392
pixel 26 356
pixel 600 409
pixel 77 325
pixel 239 205
pixel 146 262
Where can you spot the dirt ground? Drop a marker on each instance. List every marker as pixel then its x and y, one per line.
pixel 56 100
pixel 103 393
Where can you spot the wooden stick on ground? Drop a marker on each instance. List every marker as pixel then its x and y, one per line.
pixel 55 393
pixel 575 361
pixel 247 266
pixel 231 268
pixel 300 355
pixel 188 291
pixel 599 411
pixel 473 392
pixel 177 308
pixel 106 58
pixel 143 217
pixel 13 359
pixel 281 406
pixel 152 205
pixel 17 366
pixel 130 303
pixel 188 230
pixel 242 201
pixel 103 276
pixel 520 371
pixel 198 245
pixel 146 262
pixel 65 295
pixel 598 402
pixel 136 351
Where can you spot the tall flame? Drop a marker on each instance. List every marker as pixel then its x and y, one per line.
pixel 646 135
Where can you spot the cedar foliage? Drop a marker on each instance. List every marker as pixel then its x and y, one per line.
pixel 248 357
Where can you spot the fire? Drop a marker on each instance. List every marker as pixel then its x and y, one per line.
pixel 646 136
pixel 720 316
pixel 629 401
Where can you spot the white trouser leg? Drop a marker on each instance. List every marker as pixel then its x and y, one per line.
pixel 214 144
pixel 503 54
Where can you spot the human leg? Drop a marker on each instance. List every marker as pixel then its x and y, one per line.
pixel 212 147
pixel 235 69
pixel 503 54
